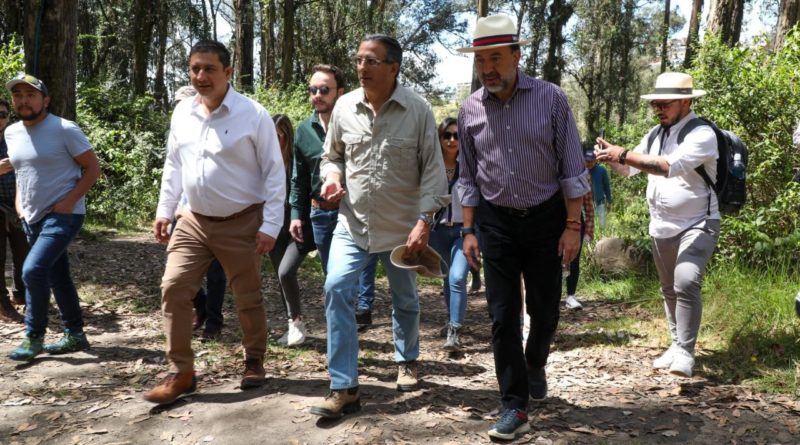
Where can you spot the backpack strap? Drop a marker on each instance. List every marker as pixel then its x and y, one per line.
pixel 651 137
pixel 691 125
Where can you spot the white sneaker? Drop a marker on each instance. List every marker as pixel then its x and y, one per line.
pixel 284 340
pixel 682 363
pixel 297 333
pixel 573 303
pixel 665 361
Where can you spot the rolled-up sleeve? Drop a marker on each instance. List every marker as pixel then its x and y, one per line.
pixel 573 179
pixel 467 184
pixel 433 179
pixel 699 146
pixel 332 149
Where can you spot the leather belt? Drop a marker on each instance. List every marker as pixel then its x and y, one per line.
pixel 247 210
pixel 530 211
pixel 324 205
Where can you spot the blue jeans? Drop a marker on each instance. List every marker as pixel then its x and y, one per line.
pixel 347 262
pixel 323 222
pixel 448 243
pixel 47 267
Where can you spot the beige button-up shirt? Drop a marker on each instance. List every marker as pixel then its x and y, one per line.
pixel 391 166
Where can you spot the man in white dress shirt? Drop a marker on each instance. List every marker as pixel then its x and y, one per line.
pixel 684 213
pixel 223 155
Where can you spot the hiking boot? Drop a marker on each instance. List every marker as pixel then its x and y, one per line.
pixel 199 318
pixel 254 374
pixel 70 342
pixel 8 312
pixel 453 342
pixel 443 331
pixel 682 363
pixel 512 422
pixel 173 386
pixel 363 317
pixel 30 348
pixel 573 303
pixel 665 360
pixel 407 376
pixel 18 298
pixel 296 335
pixel 337 403
pixel 476 281
pixel 210 334
pixel 537 383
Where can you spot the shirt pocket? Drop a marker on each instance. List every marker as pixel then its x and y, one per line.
pixel 401 153
pixel 355 147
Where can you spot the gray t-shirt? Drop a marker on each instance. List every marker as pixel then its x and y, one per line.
pixel 42 157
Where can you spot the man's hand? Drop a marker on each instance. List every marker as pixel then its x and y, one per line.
pixel 567 246
pixel 332 190
pixel 605 152
pixel 264 243
pixel 161 229
pixel 296 230
pixel 472 251
pixel 5 166
pixel 418 238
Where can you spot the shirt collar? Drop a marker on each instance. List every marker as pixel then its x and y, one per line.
pixel 227 102
pixel 399 95
pixel 680 124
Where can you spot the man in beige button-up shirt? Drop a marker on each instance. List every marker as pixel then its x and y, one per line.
pixel 382 160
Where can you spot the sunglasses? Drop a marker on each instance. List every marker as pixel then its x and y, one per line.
pixel 662 105
pixel 3 115
pixel 446 135
pixel 322 90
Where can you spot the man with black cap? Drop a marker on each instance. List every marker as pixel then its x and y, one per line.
pixel 522 180
pixel 684 214
pixel 55 167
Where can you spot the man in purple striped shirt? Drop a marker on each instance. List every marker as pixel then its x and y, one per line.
pixel 522 179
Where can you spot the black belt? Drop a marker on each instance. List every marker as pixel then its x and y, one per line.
pixel 530 211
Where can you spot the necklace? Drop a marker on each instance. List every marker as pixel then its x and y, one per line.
pixel 450 173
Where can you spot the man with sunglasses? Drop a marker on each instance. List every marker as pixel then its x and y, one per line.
pixel 10 228
pixel 382 161
pixel 55 167
pixel 324 89
pixel 684 215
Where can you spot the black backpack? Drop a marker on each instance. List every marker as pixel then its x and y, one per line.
pixel 729 186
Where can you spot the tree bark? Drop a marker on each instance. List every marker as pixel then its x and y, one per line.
pixel 560 13
pixel 244 12
pixel 665 37
pixel 143 22
pixel 50 51
pixel 693 39
pixel 162 31
pixel 483 11
pixel 287 56
pixel 725 20
pixel 788 15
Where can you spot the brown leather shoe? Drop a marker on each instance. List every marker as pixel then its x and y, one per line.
pixel 172 387
pixel 254 374
pixel 8 312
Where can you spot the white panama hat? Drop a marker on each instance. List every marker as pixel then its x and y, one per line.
pixel 674 86
pixel 492 32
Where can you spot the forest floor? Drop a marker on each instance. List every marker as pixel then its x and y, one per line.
pixel 601 386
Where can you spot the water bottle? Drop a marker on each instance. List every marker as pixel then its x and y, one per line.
pixel 797 304
pixel 738 166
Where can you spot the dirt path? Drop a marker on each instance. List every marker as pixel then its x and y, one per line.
pixel 601 387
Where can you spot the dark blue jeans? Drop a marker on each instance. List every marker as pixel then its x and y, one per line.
pixel 323 222
pixel 46 268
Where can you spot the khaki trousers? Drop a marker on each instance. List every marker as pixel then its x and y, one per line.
pixel 194 243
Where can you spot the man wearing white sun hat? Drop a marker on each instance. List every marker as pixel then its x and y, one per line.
pixel 684 215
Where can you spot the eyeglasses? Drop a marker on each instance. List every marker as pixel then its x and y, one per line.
pixel 447 135
pixel 322 90
pixel 3 114
pixel 662 105
pixel 371 61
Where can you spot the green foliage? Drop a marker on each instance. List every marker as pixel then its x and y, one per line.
pixel 292 101
pixel 129 137
pixel 12 61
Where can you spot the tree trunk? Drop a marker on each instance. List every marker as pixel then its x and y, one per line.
pixel 162 31
pixel 725 20
pixel 536 34
pixel 14 12
pixel 788 16
pixel 287 56
pixel 665 37
pixel 143 22
pixel 692 40
pixel 244 44
pixel 50 51
pixel 560 13
pixel 483 10
pixel 213 11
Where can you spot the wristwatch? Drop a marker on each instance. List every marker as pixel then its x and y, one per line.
pixel 467 231
pixel 427 218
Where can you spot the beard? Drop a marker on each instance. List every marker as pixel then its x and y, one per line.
pixel 501 86
pixel 31 115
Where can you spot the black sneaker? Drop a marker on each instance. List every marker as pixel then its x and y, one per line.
pixel 511 423
pixel 363 317
pixel 537 383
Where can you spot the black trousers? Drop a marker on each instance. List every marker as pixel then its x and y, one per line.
pixel 11 234
pixel 528 245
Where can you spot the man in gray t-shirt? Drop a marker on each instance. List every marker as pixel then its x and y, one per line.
pixel 55 167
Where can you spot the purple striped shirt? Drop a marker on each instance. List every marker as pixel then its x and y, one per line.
pixel 519 153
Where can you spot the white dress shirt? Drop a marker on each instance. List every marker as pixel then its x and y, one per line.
pixel 224 162
pixel 681 199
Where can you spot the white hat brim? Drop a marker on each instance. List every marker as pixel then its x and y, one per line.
pixel 472 49
pixel 695 93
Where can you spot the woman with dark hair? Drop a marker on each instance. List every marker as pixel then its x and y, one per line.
pixel 446 239
pixel 288 254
